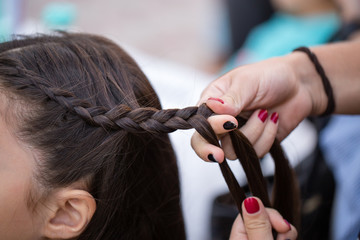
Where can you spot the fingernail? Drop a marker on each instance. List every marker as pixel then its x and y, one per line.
pixel 251 205
pixel 263 115
pixel 229 125
pixel 216 99
pixel 274 117
pixel 287 224
pixel 211 158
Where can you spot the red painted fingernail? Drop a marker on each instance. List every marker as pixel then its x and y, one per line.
pixel 263 115
pixel 287 224
pixel 251 205
pixel 216 99
pixel 274 117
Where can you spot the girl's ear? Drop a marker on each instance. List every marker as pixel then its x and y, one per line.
pixel 68 212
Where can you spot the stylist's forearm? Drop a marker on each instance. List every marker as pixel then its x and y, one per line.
pixel 342 66
pixel 341 63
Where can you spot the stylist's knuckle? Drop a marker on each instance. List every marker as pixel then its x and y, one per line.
pixel 232 98
pixel 253 133
pixel 256 130
pixel 273 211
pixel 270 132
pixel 258 224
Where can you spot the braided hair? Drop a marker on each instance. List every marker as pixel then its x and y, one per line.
pixel 85 105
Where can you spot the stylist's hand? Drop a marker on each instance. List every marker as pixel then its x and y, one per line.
pixel 279 85
pixel 260 130
pixel 258 223
pixel 288 88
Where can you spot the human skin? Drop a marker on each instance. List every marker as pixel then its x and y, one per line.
pixel 303 7
pixel 24 211
pixel 16 170
pixel 259 224
pixel 288 85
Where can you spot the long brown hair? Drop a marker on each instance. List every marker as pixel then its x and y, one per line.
pixel 66 85
pixel 85 105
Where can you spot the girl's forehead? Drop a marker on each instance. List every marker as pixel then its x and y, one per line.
pixel 13 116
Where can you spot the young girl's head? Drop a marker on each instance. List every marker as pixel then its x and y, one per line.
pixel 71 166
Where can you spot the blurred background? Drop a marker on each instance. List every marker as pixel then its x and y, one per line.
pixel 189 32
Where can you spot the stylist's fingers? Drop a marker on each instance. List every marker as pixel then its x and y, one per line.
pixel 289 235
pixel 284 229
pixel 255 223
pixel 265 141
pixel 228 103
pixel 261 221
pixel 256 220
pixel 221 124
pixel 205 150
pixel 238 231
pixel 253 130
pixel 233 92
pixel 255 125
pixel 223 96
pixel 277 221
pixel 260 131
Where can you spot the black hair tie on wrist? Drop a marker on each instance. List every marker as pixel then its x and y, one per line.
pixel 326 83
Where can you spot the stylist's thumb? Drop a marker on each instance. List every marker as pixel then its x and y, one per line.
pixel 228 103
pixel 256 219
pixel 223 96
pixel 255 224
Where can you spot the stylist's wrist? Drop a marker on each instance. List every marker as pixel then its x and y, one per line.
pixel 311 88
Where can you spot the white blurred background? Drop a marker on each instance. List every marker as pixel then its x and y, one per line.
pixel 189 32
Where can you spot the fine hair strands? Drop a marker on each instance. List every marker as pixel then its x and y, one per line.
pixel 92 115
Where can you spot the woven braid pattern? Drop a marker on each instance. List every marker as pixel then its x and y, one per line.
pixel 120 117
pixel 145 119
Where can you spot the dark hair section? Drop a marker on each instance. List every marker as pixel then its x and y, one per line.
pixel 65 79
pixel 93 115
